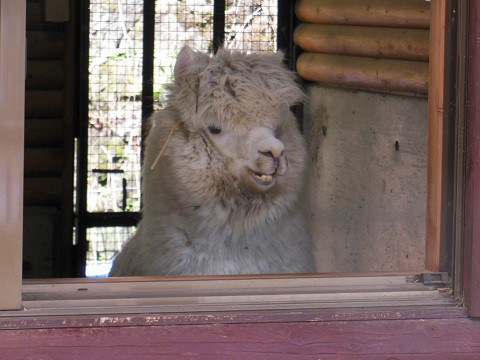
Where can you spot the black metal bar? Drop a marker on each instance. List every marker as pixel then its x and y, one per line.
pixel 148 55
pixel 286 22
pixel 107 219
pixel 147 70
pixel 82 142
pixel 108 171
pixel 218 24
pixel 125 194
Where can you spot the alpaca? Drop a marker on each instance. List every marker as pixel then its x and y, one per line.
pixel 224 195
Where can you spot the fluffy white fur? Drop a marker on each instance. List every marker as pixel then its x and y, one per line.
pixel 207 209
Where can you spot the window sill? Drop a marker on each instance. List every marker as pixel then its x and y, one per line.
pixel 275 294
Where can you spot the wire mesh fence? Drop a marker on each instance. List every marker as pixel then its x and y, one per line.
pixel 178 23
pixel 115 91
pixel 104 243
pixel 251 25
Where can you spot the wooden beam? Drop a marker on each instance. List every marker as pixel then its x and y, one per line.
pixel 45 45
pixel 56 10
pixel 12 75
pixel 44 75
pixel 435 147
pixel 427 339
pixel 35 18
pixel 235 317
pixel 378 42
pixel 359 72
pixel 44 104
pixel 43 133
pixel 43 191
pixel 390 13
pixel 471 254
pixel 43 162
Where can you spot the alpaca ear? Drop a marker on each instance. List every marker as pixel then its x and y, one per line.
pixel 184 59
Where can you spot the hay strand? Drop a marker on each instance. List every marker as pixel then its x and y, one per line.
pixel 166 143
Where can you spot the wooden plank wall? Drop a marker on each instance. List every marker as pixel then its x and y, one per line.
pixel 49 122
pixel 44 109
pixel 373 44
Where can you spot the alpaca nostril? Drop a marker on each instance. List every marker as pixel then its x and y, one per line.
pixel 275 156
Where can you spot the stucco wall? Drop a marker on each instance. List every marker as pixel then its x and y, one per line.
pixel 367 178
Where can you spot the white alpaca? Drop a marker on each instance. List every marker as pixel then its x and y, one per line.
pixel 223 197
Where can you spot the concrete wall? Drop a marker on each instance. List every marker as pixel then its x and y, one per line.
pixel 367 179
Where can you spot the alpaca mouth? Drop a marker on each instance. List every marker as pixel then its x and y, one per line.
pixel 264 179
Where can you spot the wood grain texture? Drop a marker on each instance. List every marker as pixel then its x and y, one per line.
pixel 12 72
pixel 435 162
pixel 242 317
pixel 392 339
pixel 352 71
pixel 471 271
pixel 391 13
pixel 378 42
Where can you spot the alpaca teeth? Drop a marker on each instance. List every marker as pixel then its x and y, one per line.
pixel 265 177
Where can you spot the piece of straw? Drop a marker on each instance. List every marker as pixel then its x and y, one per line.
pixel 165 145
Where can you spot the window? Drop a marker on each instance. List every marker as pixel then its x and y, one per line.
pixel 9 205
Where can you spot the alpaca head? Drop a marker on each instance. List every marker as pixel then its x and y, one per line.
pixel 240 104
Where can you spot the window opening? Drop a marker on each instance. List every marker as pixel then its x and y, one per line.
pixel 124 62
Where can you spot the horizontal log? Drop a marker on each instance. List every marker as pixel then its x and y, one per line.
pixel 353 71
pixel 44 74
pixel 43 104
pixel 379 42
pixel 45 45
pixel 390 13
pixel 36 19
pixel 42 191
pixel 41 162
pixel 43 133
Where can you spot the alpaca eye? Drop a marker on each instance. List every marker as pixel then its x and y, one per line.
pixel 214 130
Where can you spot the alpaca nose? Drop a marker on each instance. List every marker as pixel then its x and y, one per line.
pixel 273 148
pixel 275 156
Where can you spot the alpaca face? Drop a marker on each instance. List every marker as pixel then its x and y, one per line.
pixel 255 157
pixel 240 104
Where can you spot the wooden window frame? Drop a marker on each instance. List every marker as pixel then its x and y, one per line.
pixel 12 94
pixel 290 292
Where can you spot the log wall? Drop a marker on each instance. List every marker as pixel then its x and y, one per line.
pixel 44 109
pixel 371 44
pixel 48 164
